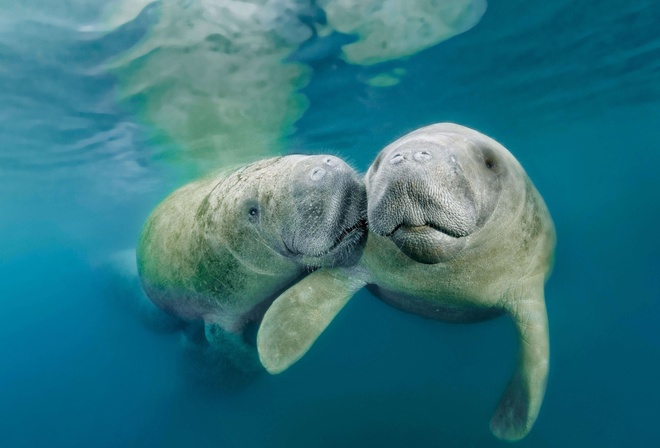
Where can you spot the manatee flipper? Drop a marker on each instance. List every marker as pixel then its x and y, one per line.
pixel 300 314
pixel 521 402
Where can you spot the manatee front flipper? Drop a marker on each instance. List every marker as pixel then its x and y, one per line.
pixel 300 314
pixel 520 404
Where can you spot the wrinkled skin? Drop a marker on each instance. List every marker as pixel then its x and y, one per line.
pixel 220 249
pixel 458 233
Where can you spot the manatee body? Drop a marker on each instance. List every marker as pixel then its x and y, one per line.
pixel 458 233
pixel 219 250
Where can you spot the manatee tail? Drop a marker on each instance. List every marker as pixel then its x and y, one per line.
pixel 517 411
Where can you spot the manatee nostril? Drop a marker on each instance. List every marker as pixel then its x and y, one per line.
pixel 317 174
pixel 422 156
pixel 397 158
pixel 330 161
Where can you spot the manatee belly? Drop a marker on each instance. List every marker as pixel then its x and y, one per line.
pixel 447 311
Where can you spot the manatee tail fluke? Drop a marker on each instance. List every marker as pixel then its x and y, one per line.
pixel 517 411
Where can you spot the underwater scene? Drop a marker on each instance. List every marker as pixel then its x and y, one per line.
pixel 125 323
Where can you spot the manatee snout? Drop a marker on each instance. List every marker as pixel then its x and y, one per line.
pixel 325 168
pixel 330 202
pixel 421 198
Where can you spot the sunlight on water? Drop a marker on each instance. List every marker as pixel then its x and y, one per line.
pixel 214 76
pixel 210 75
pixel 211 83
pixel 393 29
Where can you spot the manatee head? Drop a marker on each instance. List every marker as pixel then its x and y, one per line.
pixel 434 188
pixel 330 204
pixel 307 209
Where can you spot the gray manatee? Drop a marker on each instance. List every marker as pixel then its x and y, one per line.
pixel 458 233
pixel 220 249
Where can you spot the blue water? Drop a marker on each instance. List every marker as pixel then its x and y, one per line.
pixel 572 89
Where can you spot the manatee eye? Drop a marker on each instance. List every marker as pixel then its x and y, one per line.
pixel 489 158
pixel 253 214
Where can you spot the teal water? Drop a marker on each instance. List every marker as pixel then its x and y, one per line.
pixel 105 109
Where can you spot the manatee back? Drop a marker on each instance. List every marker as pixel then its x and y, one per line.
pixel 167 261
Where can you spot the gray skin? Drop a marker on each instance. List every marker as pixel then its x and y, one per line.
pixel 458 233
pixel 219 250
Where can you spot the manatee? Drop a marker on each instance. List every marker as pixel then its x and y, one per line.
pixel 457 233
pixel 218 251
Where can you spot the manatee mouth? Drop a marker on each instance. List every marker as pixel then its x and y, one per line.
pixel 349 235
pixel 428 243
pixel 346 239
pixel 454 233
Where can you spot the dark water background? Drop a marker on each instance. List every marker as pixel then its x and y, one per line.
pixel 571 88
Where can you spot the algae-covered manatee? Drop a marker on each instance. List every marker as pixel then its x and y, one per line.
pixel 219 250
